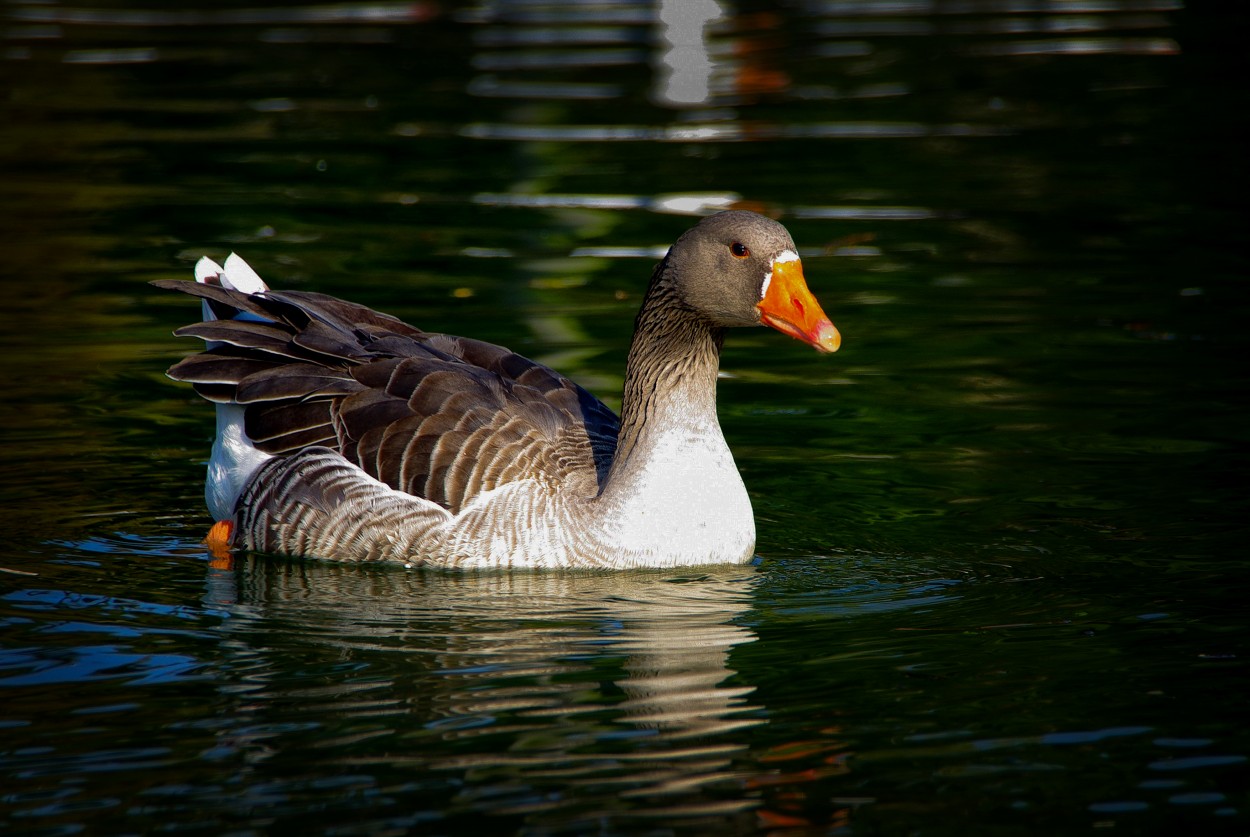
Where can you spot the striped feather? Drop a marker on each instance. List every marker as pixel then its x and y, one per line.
pixel 441 417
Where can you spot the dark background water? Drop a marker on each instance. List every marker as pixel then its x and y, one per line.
pixel 1002 532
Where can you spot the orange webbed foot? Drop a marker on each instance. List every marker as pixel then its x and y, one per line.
pixel 218 542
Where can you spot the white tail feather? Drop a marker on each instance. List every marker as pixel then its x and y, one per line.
pixel 234 458
pixel 240 276
pixel 206 272
pixel 206 269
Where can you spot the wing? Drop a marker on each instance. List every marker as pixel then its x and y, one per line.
pixel 440 417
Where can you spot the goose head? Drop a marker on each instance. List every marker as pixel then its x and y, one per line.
pixel 738 268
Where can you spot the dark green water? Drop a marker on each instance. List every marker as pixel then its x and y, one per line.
pixel 1002 583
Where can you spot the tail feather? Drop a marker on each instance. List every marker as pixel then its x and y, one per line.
pixel 239 275
pixel 234 458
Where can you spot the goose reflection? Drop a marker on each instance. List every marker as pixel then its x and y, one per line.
pixel 609 685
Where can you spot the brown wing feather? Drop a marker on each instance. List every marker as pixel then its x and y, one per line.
pixel 441 417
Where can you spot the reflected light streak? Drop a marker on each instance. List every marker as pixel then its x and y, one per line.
pixel 721 131
pixel 635 13
pixel 677 204
pixel 493 87
pixel 487 253
pixel 560 201
pixel 1056 24
pixel 33 33
pixel 874 28
pixel 893 8
pixel 865 213
pixel 406 12
pixel 548 35
pixel 656 252
pixel 1083 46
pixel 547 59
pixel 695 204
pixel 690 204
pixel 140 55
pixel 335 35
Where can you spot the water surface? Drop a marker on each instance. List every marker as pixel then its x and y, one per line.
pixel 1001 584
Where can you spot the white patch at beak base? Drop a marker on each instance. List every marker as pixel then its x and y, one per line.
pixel 783 256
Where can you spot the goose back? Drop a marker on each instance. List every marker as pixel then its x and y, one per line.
pixel 435 416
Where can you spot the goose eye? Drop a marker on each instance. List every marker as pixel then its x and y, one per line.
pixel 739 250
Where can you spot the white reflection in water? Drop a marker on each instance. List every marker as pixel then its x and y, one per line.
pixel 686 203
pixel 684 65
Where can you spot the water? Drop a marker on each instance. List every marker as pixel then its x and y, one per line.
pixel 1001 585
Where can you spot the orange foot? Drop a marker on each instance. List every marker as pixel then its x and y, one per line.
pixel 218 542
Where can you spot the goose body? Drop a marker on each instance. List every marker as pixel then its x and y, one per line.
pixel 346 434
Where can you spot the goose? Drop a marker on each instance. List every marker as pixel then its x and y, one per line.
pixel 346 434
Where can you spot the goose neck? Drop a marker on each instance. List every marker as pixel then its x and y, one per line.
pixel 670 377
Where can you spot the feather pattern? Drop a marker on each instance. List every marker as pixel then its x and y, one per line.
pixel 393 400
pixel 346 433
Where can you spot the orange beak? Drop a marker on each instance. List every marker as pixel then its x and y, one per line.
pixel 789 307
